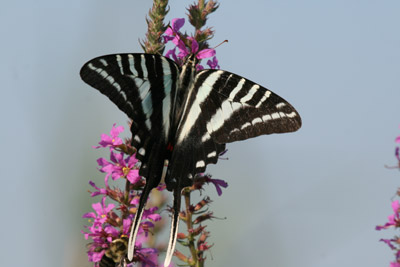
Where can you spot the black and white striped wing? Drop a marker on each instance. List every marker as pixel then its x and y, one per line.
pixel 141 85
pixel 223 108
pixel 238 109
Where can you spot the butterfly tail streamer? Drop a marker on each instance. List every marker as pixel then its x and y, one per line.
pixel 174 227
pixel 136 222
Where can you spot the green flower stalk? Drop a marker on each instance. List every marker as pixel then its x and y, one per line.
pixel 153 43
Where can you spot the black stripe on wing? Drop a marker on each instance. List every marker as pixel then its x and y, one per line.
pixel 245 109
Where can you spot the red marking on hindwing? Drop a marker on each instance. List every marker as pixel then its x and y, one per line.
pixel 170 147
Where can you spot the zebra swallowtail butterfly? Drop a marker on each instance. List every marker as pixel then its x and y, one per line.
pixel 182 118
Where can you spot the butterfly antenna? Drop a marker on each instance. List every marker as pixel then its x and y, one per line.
pixel 174 227
pixel 224 41
pixel 136 221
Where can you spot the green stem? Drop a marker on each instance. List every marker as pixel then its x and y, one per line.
pixel 189 225
pixel 127 190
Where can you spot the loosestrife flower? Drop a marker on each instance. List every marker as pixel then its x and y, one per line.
pixel 393 219
pixel 109 223
pixel 187 45
pixel 112 139
pixel 120 167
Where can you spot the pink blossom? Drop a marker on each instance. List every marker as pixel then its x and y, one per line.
pixel 176 25
pixel 120 167
pixel 102 211
pixel 112 140
pixel 177 38
pixel 393 219
pixel 100 191
pixel 213 64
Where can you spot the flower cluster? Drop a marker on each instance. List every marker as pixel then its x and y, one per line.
pixel 187 45
pixel 393 219
pixel 393 222
pixel 110 223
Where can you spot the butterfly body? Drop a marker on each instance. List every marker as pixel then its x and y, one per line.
pixel 183 118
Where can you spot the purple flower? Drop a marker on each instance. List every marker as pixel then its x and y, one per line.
pixel 218 183
pixel 100 191
pixel 394 264
pixel 185 51
pixel 389 242
pixel 103 234
pixel 397 140
pixel 173 34
pixel 213 64
pixel 120 167
pixel 393 220
pixel 96 256
pixel 102 212
pixel 172 54
pixel 112 140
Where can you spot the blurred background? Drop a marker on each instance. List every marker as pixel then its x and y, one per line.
pixel 310 198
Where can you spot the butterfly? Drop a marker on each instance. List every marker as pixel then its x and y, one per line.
pixel 182 118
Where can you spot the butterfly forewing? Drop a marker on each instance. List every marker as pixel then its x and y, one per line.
pixel 244 109
pixel 143 86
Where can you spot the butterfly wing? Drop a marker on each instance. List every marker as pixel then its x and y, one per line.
pixel 246 109
pixel 224 107
pixel 143 86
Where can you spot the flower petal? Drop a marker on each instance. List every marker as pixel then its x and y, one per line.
pixel 206 53
pixel 177 24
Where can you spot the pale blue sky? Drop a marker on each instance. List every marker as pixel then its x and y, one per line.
pixel 310 198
